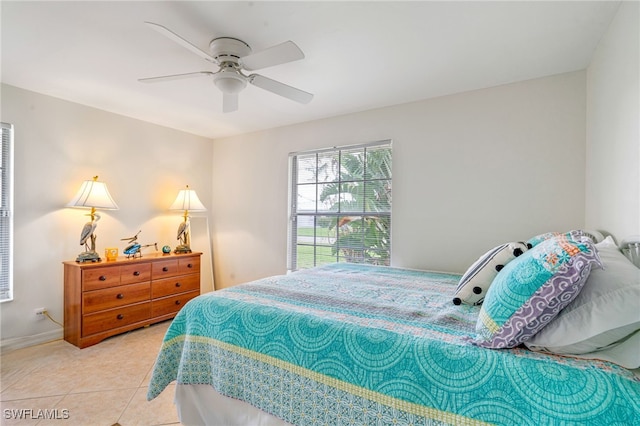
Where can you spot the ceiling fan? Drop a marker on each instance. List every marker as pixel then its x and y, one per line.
pixel 232 57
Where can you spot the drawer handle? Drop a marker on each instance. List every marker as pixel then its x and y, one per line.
pixel 189 265
pixel 120 316
pixel 120 296
pixel 102 278
pixel 178 284
pixel 136 273
pixel 177 302
pixel 165 269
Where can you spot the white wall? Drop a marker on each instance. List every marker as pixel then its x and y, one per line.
pixel 470 171
pixel 59 144
pixel 613 128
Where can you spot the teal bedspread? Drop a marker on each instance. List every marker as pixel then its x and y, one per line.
pixel 356 344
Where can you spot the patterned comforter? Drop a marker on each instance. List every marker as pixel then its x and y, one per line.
pixel 356 344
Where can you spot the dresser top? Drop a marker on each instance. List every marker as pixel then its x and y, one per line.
pixel 123 260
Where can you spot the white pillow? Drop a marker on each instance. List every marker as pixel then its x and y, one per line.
pixel 625 353
pixel 604 313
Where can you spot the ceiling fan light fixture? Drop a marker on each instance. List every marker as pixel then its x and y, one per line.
pixel 229 82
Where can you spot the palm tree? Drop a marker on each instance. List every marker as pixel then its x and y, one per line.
pixel 363 194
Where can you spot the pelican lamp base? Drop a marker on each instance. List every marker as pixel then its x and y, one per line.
pixel 182 248
pixel 88 256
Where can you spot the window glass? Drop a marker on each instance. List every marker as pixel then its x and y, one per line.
pixel 341 206
pixel 6 213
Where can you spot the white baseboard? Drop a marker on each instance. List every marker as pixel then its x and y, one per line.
pixel 8 345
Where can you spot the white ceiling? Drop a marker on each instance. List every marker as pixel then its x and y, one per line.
pixel 359 55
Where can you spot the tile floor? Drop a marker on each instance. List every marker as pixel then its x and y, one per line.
pixel 100 385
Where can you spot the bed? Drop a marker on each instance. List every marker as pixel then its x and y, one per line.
pixel 359 344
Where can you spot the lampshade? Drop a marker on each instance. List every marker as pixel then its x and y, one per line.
pixel 187 199
pixel 93 194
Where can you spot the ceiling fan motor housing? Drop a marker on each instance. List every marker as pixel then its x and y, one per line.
pixel 228 49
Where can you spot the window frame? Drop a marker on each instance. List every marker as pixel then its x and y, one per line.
pixel 6 212
pixel 294 212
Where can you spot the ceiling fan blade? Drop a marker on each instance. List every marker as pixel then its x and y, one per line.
pixel 229 102
pixel 280 89
pixel 174 77
pixel 182 42
pixel 276 55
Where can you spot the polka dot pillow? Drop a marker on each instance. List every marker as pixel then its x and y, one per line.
pixel 476 281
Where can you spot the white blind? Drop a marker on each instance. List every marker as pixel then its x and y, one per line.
pixel 6 213
pixel 340 206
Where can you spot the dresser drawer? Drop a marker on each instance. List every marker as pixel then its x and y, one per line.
pixel 113 297
pixel 97 278
pixel 171 304
pixel 164 269
pixel 189 265
pixel 136 273
pixel 113 318
pixel 175 285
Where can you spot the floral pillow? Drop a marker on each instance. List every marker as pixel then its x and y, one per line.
pixel 602 316
pixel 532 289
pixel 534 241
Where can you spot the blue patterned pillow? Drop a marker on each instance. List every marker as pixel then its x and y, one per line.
pixel 532 289
pixel 534 241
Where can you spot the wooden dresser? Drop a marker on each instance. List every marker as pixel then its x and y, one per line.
pixel 103 299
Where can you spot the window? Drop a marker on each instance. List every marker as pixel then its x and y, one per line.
pixel 340 203
pixel 6 213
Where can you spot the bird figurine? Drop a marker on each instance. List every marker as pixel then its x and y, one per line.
pixel 87 233
pixel 183 230
pixel 88 239
pixel 183 236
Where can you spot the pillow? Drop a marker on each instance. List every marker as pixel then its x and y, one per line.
pixel 596 236
pixel 476 281
pixel 530 291
pixel 574 235
pixel 624 352
pixel 603 315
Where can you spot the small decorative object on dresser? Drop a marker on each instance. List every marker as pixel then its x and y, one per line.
pixel 111 253
pixel 133 248
pixel 104 299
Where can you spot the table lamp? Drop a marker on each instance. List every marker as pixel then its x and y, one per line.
pixel 186 200
pixel 94 195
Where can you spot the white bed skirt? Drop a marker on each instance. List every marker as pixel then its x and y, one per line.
pixel 202 405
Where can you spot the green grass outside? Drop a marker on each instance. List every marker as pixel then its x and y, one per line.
pixel 308 231
pixel 305 253
pixel 305 256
